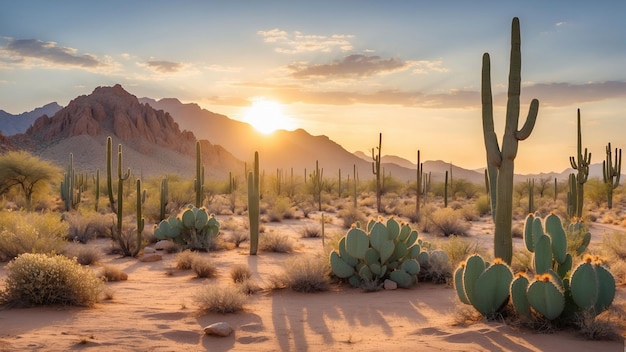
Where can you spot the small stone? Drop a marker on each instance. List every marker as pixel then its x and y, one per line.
pixel 150 257
pixel 390 285
pixel 222 329
pixel 147 250
pixel 161 245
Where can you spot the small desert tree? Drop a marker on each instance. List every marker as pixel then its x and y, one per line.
pixel 26 172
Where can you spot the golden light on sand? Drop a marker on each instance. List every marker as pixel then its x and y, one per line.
pixel 267 116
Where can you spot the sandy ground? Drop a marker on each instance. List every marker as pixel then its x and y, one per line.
pixel 154 311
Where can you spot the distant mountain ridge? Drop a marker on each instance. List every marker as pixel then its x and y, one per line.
pixel 156 138
pixel 14 124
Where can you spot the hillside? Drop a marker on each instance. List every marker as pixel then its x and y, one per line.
pixel 14 124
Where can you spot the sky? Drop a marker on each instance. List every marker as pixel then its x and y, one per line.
pixel 347 69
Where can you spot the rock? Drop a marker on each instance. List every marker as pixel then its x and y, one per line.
pixel 161 245
pixel 222 329
pixel 390 285
pixel 147 250
pixel 150 257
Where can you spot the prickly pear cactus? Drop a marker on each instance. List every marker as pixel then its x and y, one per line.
pixel 378 252
pixel 194 228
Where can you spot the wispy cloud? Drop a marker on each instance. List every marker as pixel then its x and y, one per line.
pixel 564 94
pixel 298 42
pixel 25 50
pixel 355 65
pixel 163 66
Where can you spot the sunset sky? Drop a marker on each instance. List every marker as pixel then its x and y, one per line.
pixel 346 69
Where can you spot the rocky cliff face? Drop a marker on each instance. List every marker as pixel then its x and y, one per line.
pixel 112 111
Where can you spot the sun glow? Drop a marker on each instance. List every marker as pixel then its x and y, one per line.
pixel 267 116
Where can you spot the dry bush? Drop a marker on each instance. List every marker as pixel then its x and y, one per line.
pixel 469 213
pixel 517 230
pixel 171 247
pixel 304 273
pixel 40 279
pixel 618 269
pixel 237 237
pixel 275 242
pixel 605 326
pixel 88 225
pixel 447 222
pixel 438 270
pixel 185 259
pixel 351 215
pixel 220 299
pixel 111 273
pixel 240 273
pixel 614 245
pixel 29 232
pixel 204 267
pixel 458 249
pixel 85 255
pixel 312 232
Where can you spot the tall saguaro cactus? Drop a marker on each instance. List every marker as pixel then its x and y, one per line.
pixel 253 205
pixel 581 164
pixel 376 171
pixel 501 161
pixel 418 186
pixel 611 172
pixel 117 207
pixel 198 182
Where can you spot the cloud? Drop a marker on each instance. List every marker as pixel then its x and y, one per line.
pixel 163 66
pixel 351 66
pixel 19 50
pixel 564 94
pixel 297 42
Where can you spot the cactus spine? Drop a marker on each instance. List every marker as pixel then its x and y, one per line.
pixel 581 164
pixel 198 182
pixel 253 205
pixel 500 162
pixel 376 172
pixel 611 172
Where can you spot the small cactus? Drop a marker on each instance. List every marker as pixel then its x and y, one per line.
pixel 194 228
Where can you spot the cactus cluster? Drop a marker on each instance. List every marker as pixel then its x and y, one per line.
pixel 194 229
pixel 556 291
pixel 611 171
pixel 378 252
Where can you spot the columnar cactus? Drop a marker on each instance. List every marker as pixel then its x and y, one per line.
pixel 163 198
pixel 611 172
pixel 68 193
pixel 484 286
pixel 500 161
pixel 254 196
pixel 376 172
pixel 140 220
pixel 418 185
pixel 198 182
pixel 317 184
pixel 378 252
pixel 581 164
pixel 96 182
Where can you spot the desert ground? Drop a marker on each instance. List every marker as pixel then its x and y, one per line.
pixel 154 310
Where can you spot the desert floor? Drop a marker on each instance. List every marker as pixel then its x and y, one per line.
pixel 155 311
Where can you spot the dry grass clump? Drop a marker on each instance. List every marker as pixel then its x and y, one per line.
pixel 605 326
pixel 240 273
pixel 281 209
pixel 111 273
pixel 220 299
pixel 458 249
pixel 85 255
pixel 237 237
pixel 438 270
pixel 614 246
pixel 185 259
pixel 304 273
pixel 351 215
pixel 87 225
pixel 40 279
pixel 275 242
pixel 204 267
pixel 483 205
pixel 312 232
pixel 447 222
pixel 30 232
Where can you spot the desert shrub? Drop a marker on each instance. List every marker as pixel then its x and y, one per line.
pixel 237 237
pixel 351 215
pixel 41 279
pixel 111 273
pixel 240 273
pixel 87 225
pixel 220 299
pixel 469 213
pixel 312 232
pixel 185 259
pixel 447 222
pixel 458 249
pixel 614 245
pixel 275 242
pixel 29 232
pixel 84 255
pixel 437 269
pixel 304 273
pixel 280 209
pixel 204 267
pixel 171 247
pixel 483 205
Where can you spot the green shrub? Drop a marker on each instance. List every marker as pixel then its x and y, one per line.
pixel 220 299
pixel 40 279
pixel 29 232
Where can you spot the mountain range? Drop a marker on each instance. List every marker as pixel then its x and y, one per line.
pixel 158 137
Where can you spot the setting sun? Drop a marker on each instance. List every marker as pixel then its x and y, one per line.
pixel 267 116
